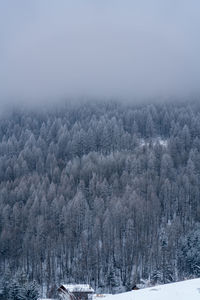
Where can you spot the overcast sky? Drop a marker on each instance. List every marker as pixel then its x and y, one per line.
pixel 51 49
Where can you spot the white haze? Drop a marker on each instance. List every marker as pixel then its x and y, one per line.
pixel 54 49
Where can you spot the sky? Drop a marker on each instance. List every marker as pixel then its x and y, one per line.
pixel 59 49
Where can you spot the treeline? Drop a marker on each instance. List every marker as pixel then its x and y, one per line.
pixel 18 288
pixel 104 193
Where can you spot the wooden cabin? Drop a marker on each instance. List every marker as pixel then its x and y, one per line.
pixel 135 288
pixel 76 292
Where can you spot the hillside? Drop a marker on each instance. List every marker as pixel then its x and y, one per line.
pixel 184 290
pixel 103 193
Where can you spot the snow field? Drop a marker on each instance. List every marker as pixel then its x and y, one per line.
pixel 184 290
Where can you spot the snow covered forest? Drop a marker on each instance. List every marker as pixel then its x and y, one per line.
pixel 103 193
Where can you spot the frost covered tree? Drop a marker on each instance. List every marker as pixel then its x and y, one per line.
pixel 189 253
pixel 87 190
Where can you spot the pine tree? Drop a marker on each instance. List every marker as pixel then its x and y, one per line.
pixel 16 292
pixel 31 291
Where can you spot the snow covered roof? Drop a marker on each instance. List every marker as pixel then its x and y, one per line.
pixel 46 299
pixel 78 288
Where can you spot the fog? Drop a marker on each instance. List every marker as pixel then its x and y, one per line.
pixel 52 50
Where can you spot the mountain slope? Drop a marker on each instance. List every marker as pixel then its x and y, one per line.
pixel 184 290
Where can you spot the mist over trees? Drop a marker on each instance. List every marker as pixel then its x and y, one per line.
pixel 104 193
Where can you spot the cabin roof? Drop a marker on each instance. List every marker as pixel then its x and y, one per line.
pixel 45 299
pixel 85 288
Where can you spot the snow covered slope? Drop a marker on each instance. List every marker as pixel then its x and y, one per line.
pixel 184 290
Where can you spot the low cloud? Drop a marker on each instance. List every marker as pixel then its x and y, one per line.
pixel 106 49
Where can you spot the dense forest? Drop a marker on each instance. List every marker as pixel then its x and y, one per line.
pixel 104 193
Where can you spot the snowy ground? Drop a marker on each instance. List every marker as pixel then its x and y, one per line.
pixel 184 290
pixel 159 140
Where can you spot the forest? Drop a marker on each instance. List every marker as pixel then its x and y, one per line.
pixel 105 193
